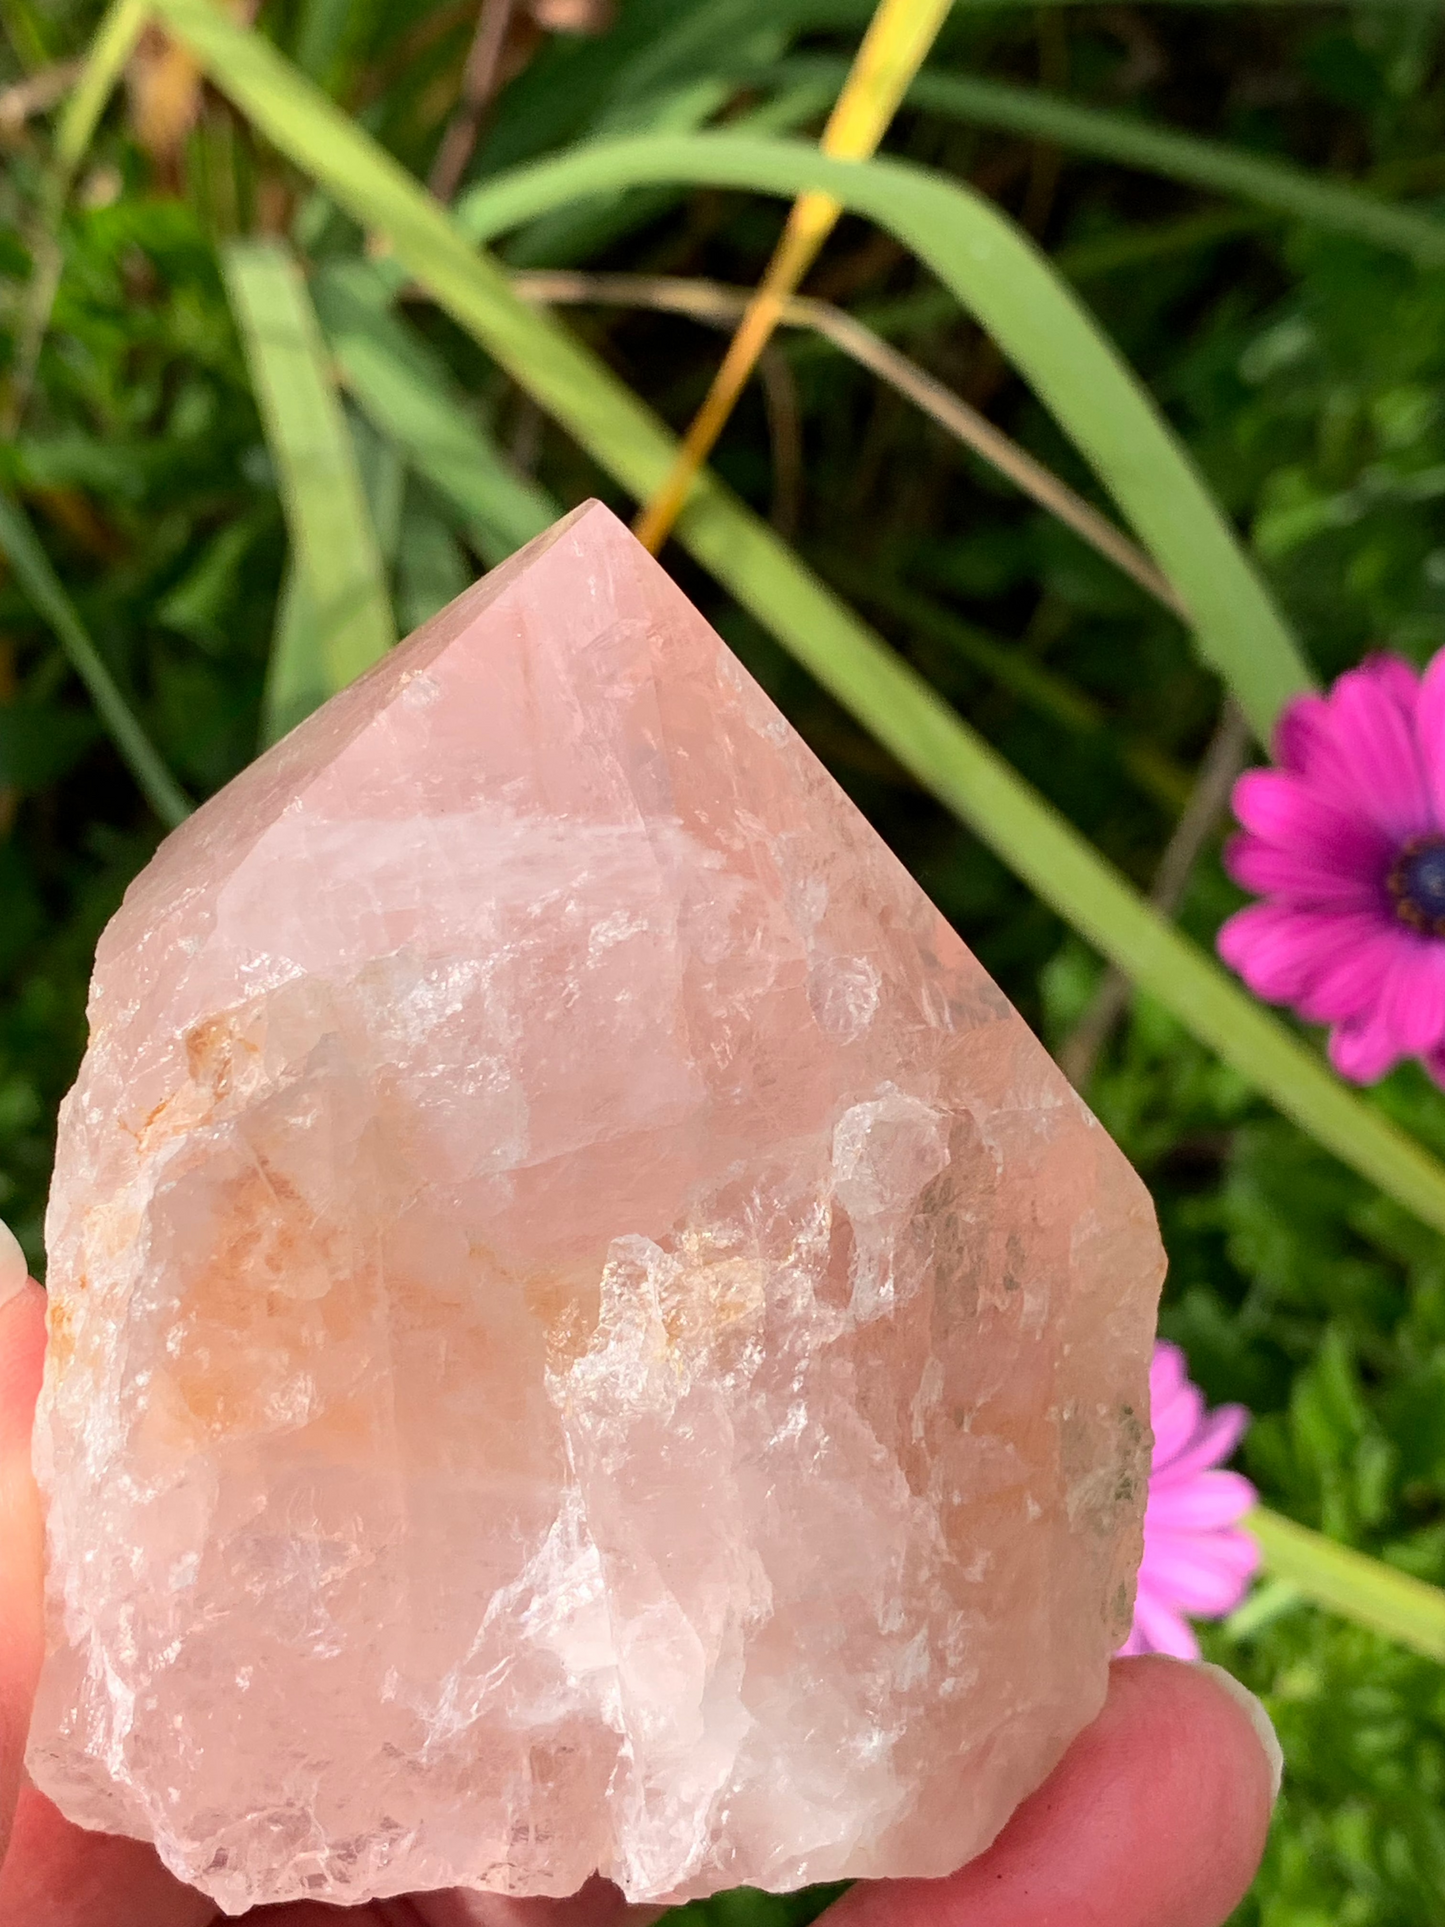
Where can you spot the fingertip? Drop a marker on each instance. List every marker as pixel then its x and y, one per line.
pixel 596 1903
pixel 22 1362
pixel 1261 1725
pixel 1158 1812
pixel 59 1875
pixel 22 1359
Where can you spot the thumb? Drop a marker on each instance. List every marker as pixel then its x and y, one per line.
pixel 22 1356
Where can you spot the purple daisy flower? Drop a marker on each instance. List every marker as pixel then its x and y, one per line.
pixel 1197 1558
pixel 1345 841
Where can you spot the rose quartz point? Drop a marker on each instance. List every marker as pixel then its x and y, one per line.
pixel 585 1332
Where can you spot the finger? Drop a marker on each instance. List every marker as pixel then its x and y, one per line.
pixel 59 1875
pixel 1155 1817
pixel 22 1357
pixel 596 1903
pixel 311 1913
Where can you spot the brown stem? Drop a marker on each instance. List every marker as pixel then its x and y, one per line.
pixel 785 431
pixel 35 94
pixel 479 84
pixel 1208 801
pixel 707 301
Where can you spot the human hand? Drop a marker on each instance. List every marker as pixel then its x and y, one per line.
pixel 1155 1817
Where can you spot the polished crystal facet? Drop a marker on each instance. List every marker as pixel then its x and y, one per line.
pixel 586 1333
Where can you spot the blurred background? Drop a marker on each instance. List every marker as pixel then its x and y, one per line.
pixel 1302 362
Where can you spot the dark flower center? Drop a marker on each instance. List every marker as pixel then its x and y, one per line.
pixel 1417 883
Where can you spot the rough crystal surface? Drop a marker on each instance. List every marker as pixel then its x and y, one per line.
pixel 586 1333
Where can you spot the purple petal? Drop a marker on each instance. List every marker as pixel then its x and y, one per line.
pixel 1378 744
pixel 1400 680
pixel 1368 1045
pixel 1200 1577
pixel 1207 1500
pixel 1160 1629
pixel 1279 951
pixel 1168 1373
pixel 1199 1571
pixel 1209 1446
pixel 1332 830
pixel 1434 1062
pixel 1304 740
pixel 1412 996
pixel 1175 1423
pixel 1170 1386
pixel 1303 879
pixel 1363 1048
pixel 1430 733
pixel 1231 1548
pixel 1349 984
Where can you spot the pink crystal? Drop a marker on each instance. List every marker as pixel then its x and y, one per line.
pixel 586 1333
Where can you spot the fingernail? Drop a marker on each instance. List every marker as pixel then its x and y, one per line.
pixel 1258 1718
pixel 14 1272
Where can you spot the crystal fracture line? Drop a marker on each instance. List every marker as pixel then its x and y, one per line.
pixel 895 46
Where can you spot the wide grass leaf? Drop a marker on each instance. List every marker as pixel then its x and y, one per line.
pixel 403 390
pixel 336 617
pixel 1212 165
pixel 1349 1582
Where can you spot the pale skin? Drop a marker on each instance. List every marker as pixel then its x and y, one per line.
pixel 1156 1817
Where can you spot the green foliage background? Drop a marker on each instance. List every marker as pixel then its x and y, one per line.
pixel 1303 367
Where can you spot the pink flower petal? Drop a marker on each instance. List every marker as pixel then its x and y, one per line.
pixel 1406 1012
pixel 1175 1423
pixel 1196 1557
pixel 1161 1629
pixel 1304 879
pixel 1289 814
pixel 1170 1386
pixel 1412 995
pixel 1364 950
pixel 1379 748
pixel 1279 951
pixel 1168 1371
pixel 1363 1048
pixel 1304 740
pixel 1201 1577
pixel 1210 1445
pixel 1430 733
pixel 1207 1500
pixel 1398 679
pixel 1231 1548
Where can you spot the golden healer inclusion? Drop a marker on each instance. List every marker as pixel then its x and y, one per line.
pixel 586 1333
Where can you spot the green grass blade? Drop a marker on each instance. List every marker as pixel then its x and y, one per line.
pixel 499 510
pixel 997 273
pixel 405 395
pixel 110 49
pixel 1351 1583
pixel 1212 165
pixel 32 570
pixel 320 31
pixel 342 585
pixel 887 697
pixel 296 678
